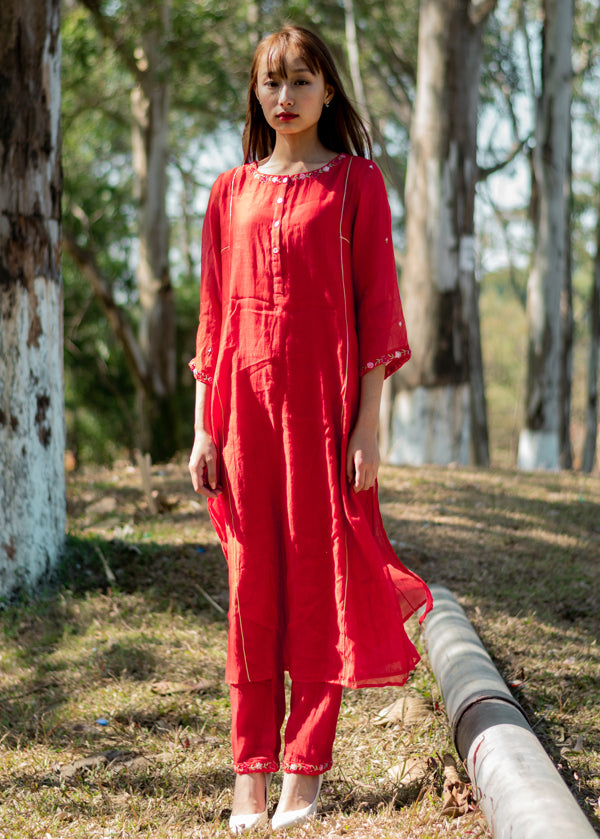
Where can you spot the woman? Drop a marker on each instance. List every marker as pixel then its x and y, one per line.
pixel 300 321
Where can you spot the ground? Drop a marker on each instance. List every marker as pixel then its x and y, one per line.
pixel 113 711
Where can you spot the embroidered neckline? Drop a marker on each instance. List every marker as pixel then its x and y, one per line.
pixel 299 176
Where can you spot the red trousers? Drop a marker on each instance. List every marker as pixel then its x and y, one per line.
pixel 257 714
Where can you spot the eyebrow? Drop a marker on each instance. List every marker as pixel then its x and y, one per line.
pixel 297 69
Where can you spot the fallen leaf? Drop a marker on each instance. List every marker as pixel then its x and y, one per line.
pixel 410 710
pixel 411 769
pixel 457 797
pixel 114 758
pixel 166 688
pixel 572 747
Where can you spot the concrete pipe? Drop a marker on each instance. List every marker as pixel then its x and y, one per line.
pixel 520 792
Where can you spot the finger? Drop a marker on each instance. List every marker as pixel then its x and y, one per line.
pixel 208 492
pixel 196 475
pixel 211 471
pixel 359 477
pixel 350 468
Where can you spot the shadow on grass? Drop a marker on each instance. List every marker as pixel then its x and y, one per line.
pixel 174 579
pixel 520 551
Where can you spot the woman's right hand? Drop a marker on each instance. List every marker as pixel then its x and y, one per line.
pixel 203 465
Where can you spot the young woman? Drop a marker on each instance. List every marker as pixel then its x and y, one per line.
pixel 300 321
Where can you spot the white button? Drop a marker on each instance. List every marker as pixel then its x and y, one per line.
pixel 275 250
pixel 280 200
pixel 276 223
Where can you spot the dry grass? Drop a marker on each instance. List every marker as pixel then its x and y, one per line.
pixel 137 605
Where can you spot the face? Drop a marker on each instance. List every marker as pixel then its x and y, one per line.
pixel 292 100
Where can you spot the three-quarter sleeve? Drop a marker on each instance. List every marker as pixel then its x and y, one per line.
pixel 209 325
pixel 382 337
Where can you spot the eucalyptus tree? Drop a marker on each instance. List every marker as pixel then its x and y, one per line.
pixel 591 408
pixel 539 441
pixel 440 413
pixel 32 492
pixel 586 95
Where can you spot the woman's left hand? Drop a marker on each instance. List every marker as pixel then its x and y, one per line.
pixel 362 460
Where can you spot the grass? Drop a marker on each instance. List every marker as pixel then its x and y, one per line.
pixel 133 634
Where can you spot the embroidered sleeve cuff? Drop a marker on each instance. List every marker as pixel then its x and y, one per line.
pixel 393 361
pixel 200 375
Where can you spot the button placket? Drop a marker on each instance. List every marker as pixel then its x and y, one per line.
pixel 278 212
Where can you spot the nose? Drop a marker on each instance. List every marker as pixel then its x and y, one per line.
pixel 285 95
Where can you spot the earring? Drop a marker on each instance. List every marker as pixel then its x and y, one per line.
pixel 327 104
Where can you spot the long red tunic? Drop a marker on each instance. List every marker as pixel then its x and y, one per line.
pixel 299 296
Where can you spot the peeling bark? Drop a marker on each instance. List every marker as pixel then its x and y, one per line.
pixel 440 295
pixel 32 495
pixel 539 443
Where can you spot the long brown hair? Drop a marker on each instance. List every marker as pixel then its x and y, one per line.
pixel 340 128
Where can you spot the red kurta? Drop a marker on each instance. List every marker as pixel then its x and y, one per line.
pixel 299 296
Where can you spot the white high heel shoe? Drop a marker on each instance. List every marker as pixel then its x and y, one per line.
pixel 282 820
pixel 252 821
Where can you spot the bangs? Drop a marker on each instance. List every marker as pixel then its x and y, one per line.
pixel 277 48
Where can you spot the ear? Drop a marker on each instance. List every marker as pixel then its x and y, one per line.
pixel 330 91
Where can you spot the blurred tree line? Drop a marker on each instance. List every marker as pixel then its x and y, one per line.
pixel 154 96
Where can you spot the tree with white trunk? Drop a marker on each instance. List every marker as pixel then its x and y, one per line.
pixel 32 487
pixel 539 441
pixel 439 413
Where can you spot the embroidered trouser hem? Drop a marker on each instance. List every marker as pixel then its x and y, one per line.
pixel 258 711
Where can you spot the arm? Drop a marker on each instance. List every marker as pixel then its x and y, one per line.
pixel 203 459
pixel 362 459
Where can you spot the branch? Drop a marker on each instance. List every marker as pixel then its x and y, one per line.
pixel 86 261
pixel 483 174
pixel 403 109
pixel 519 292
pixel 506 93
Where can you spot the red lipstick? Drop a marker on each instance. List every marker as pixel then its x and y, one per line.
pixel 286 116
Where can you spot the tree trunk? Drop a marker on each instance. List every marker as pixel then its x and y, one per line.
pixel 440 413
pixel 353 59
pixel 539 441
pixel 591 414
pixel 150 111
pixel 567 328
pixel 32 487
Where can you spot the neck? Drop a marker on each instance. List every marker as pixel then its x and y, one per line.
pixel 295 149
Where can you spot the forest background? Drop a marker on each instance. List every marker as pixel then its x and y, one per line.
pixel 122 653
pixel 154 98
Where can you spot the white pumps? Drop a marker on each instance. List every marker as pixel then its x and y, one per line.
pixel 282 820
pixel 252 821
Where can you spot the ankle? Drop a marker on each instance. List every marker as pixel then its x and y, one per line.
pixel 299 791
pixel 250 793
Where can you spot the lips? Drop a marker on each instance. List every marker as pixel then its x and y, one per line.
pixel 285 116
